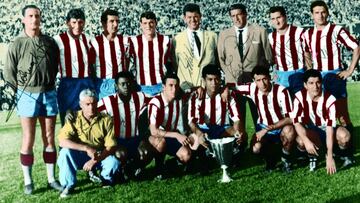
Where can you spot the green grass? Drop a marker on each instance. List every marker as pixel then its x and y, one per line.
pixel 250 183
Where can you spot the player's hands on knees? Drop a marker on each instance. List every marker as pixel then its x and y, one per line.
pixel 330 165
pixel 89 165
pixel 260 134
pixel 91 152
pixel 184 140
pixel 311 148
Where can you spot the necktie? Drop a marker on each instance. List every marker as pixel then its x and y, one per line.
pixel 197 41
pixel 241 45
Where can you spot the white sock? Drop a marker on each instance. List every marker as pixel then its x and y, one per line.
pixel 27 174
pixel 50 167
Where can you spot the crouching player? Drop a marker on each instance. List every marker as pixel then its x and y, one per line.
pixel 166 124
pixel 87 143
pixel 314 117
pixel 211 115
pixel 126 106
pixel 274 124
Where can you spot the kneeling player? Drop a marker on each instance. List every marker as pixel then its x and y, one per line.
pixel 211 115
pixel 315 123
pixel 166 124
pixel 125 107
pixel 274 124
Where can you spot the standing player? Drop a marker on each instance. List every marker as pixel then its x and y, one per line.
pixel 315 123
pixel 150 52
pixel 126 107
pixel 74 66
pixel 110 49
pixel 166 124
pixel 323 43
pixel 287 47
pixel 274 124
pixel 30 69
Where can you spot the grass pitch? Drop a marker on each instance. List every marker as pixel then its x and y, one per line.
pixel 250 183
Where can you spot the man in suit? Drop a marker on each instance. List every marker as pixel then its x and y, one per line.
pixel 193 48
pixel 240 48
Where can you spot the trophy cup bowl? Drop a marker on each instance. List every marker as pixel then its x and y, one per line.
pixel 223 150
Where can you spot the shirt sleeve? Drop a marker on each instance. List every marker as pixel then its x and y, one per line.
pixel 193 111
pixel 347 40
pixel 297 113
pixel 285 102
pixel 109 140
pixel 331 117
pixel 153 113
pixel 67 131
pixel 234 108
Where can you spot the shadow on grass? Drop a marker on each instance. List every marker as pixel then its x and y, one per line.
pixel 353 198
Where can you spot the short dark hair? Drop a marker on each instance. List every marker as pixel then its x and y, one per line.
pixel 75 13
pixel 318 3
pixel 210 69
pixel 241 7
pixel 29 6
pixel 312 73
pixel 124 74
pixel 275 9
pixel 106 13
pixel 170 75
pixel 260 70
pixel 191 7
pixel 148 15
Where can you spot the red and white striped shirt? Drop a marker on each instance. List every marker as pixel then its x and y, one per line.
pixel 150 58
pixel 166 115
pixel 74 55
pixel 110 55
pixel 272 107
pixel 126 114
pixel 324 46
pixel 213 111
pixel 287 49
pixel 321 113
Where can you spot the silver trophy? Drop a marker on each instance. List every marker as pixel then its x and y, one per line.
pixel 223 151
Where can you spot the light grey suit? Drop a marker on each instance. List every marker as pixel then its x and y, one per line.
pixel 257 52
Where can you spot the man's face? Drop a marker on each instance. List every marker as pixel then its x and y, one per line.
pixel 238 17
pixel 124 85
pixel 262 82
pixel 319 15
pixel 112 25
pixel 278 21
pixel 170 88
pixel 148 26
pixel 32 19
pixel 212 84
pixel 192 20
pixel 313 86
pixel 88 106
pixel 76 26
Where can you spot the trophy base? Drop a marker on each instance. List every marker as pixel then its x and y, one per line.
pixel 225 177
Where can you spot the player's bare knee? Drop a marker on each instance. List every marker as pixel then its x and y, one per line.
pixel 184 154
pixel 256 148
pixel 121 154
pixel 342 136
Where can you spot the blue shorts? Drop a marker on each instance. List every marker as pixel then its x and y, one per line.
pixel 131 145
pixel 333 84
pixel 69 90
pixel 36 104
pixel 292 80
pixel 150 90
pixel 272 136
pixel 105 87
pixel 172 146
pixel 213 131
